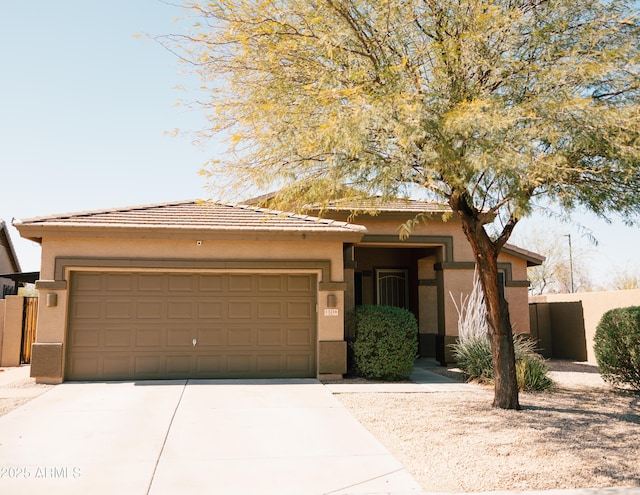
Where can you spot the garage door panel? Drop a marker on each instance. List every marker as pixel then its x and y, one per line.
pixel 270 309
pixel 297 363
pixel 270 337
pixel 87 309
pixel 239 336
pixel 179 337
pixel 151 282
pixel 141 325
pixel 270 283
pixel 181 282
pixel 84 367
pixel 148 366
pixel 120 282
pixel 179 365
pixel 87 282
pixel 211 283
pixel 241 283
pixel 300 283
pixel 304 310
pixel 118 310
pixel 117 337
pixel 209 366
pixel 298 337
pixel 240 364
pixel 180 310
pixel 210 309
pixel 240 309
pixel 116 366
pixel 86 337
pixel 211 337
pixel 148 337
pixel 269 363
pixel 149 310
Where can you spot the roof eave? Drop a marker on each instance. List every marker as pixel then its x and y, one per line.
pixel 532 259
pixel 38 232
pixel 12 250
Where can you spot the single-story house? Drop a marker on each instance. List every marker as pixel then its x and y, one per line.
pixel 198 289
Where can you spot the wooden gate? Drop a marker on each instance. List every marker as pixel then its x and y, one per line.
pixel 29 318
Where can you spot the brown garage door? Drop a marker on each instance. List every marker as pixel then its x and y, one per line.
pixel 148 325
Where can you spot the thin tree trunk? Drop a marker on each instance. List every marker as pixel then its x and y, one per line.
pixel 486 253
pixel 501 335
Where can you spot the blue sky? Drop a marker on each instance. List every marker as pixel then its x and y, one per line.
pixel 85 108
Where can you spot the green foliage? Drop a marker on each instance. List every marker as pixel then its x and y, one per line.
pixel 489 106
pixel 386 342
pixel 497 102
pixel 473 356
pixel 531 369
pixel 617 346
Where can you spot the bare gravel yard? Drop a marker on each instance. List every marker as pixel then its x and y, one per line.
pixel 581 435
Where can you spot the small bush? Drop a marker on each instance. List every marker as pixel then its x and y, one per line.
pixel 386 342
pixel 617 347
pixel 473 349
pixel 532 371
pixel 473 356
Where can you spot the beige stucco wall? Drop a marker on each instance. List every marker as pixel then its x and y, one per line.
pixel 11 330
pixel 454 276
pixel 518 300
pixel 52 319
pixel 428 295
pixel 385 224
pixel 594 305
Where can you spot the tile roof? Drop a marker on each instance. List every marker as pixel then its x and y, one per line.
pixel 372 204
pixel 400 205
pixel 204 215
pixel 533 259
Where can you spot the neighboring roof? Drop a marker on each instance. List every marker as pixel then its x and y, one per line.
pixel 533 259
pixel 5 241
pixel 188 215
pixel 401 205
pixel 23 277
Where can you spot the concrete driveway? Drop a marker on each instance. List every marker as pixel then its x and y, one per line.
pixel 195 436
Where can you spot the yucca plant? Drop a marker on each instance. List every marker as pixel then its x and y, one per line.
pixel 473 349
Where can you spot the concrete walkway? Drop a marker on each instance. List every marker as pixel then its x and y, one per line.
pixel 196 436
pixel 421 380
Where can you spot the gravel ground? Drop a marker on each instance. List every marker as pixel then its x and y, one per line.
pixel 17 393
pixel 583 434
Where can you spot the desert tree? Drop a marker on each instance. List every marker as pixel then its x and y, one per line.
pixel 628 279
pixel 565 269
pixel 489 106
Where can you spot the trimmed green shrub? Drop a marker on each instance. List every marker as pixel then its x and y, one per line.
pixel 473 356
pixel 386 342
pixel 617 346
